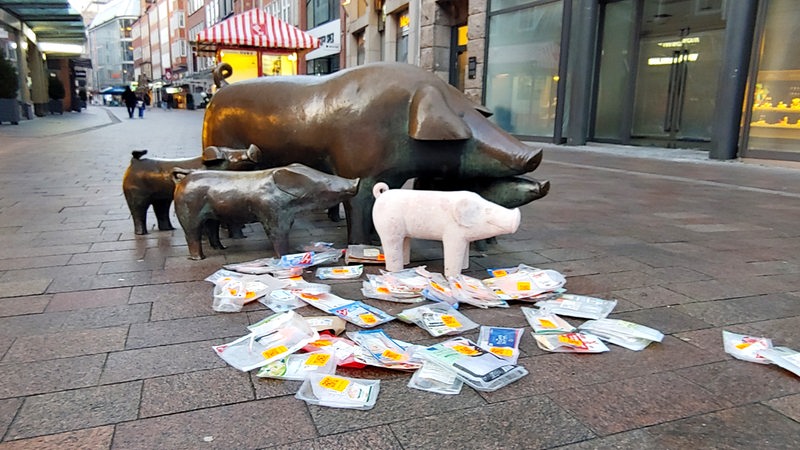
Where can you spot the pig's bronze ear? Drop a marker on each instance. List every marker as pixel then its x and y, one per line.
pixel 431 119
pixel 484 110
pixel 254 153
pixel 291 182
pixel 212 153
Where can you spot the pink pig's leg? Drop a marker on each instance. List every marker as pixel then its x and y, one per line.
pixel 465 266
pixel 407 250
pixel 454 250
pixel 393 251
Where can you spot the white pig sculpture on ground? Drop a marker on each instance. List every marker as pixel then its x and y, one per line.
pixel 455 218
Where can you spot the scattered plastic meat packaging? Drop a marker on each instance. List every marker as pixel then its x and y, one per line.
pixel 271 339
pixel 287 265
pixel 524 282
pixel 545 322
pixel 476 367
pixel 438 319
pixel 298 366
pixel 364 254
pixel 783 357
pixel 383 351
pixel 473 292
pixel 746 348
pixel 570 343
pixel 344 349
pixel 339 392
pixel 375 287
pixel 233 290
pixel 623 333
pixel 438 290
pixel 340 272
pixel 579 306
pixel 355 312
pixel 433 378
pixel 327 323
pixel 281 300
pixel 502 342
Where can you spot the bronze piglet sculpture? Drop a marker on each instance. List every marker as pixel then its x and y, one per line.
pixel 385 122
pixel 271 197
pixel 148 181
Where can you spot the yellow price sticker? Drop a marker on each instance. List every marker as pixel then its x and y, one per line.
pixel 274 351
pixel 571 339
pixel 250 294
pixel 368 318
pixel 450 321
pixel 381 257
pixel 743 345
pixel 309 296
pixel 391 354
pixel 321 343
pixel 499 273
pixel 465 350
pixel 340 270
pixel 337 384
pixel 383 290
pixel 546 323
pixel 319 359
pixel 523 285
pixel 437 286
pixel 502 351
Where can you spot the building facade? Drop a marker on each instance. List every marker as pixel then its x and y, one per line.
pixel 714 75
pixel 110 40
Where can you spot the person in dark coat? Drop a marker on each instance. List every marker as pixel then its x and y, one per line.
pixel 129 98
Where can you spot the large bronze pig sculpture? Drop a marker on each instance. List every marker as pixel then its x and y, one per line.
pixel 382 121
pixel 273 197
pixel 149 181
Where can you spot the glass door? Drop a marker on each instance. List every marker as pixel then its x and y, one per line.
pixel 674 98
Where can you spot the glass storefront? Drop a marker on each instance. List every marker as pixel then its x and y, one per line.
pixel 522 66
pixel 774 102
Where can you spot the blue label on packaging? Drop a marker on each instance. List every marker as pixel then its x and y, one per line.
pixel 502 337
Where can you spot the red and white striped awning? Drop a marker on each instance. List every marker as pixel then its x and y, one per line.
pixel 257 29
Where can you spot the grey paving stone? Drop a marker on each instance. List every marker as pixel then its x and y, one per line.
pixel 636 439
pixel 21 379
pixel 153 362
pixel 24 287
pixel 31 263
pixel 150 334
pixel 32 252
pixel 651 296
pixel 555 372
pixel 135 265
pixel 627 404
pixel 76 409
pixel 66 344
pixel 380 437
pixel 100 257
pixel 789 406
pixel 594 284
pixel 194 390
pixel 741 310
pixel 66 301
pixel 270 388
pixel 725 289
pixel 5 344
pixel 8 410
pixel 524 423
pixel 173 291
pixel 16 306
pixel 748 426
pixel 56 322
pixel 89 439
pixel 735 381
pixel 396 401
pixel 183 308
pixel 782 331
pixel 266 423
pixel 667 320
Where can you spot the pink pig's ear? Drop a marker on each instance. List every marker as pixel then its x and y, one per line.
pixel 431 119
pixel 466 212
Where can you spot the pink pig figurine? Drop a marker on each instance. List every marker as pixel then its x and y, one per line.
pixel 456 218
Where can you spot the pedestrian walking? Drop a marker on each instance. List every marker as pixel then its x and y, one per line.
pixel 129 98
pixel 144 100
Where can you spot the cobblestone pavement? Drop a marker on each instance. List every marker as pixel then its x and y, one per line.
pixel 105 337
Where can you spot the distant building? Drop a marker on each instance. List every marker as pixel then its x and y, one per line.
pixel 111 43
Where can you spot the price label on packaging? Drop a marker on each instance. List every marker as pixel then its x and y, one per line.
pixel 499 273
pixel 321 343
pixel 450 321
pixel 309 296
pixel 319 359
pixel 523 285
pixel 383 290
pixel 393 355
pixel 368 318
pixel 465 350
pixel 340 271
pixel 572 339
pixel 502 351
pixel 546 323
pixel 334 383
pixel 274 351
pixel 250 294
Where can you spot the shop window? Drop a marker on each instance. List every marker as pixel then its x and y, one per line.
pixel 522 68
pixel 360 49
pixel 321 11
pixel 403 27
pixel 323 66
pixel 775 95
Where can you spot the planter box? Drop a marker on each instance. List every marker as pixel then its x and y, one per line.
pixel 9 110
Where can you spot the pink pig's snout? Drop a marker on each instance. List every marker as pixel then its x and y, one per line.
pixel 506 220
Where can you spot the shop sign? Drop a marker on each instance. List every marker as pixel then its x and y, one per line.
pixel 330 39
